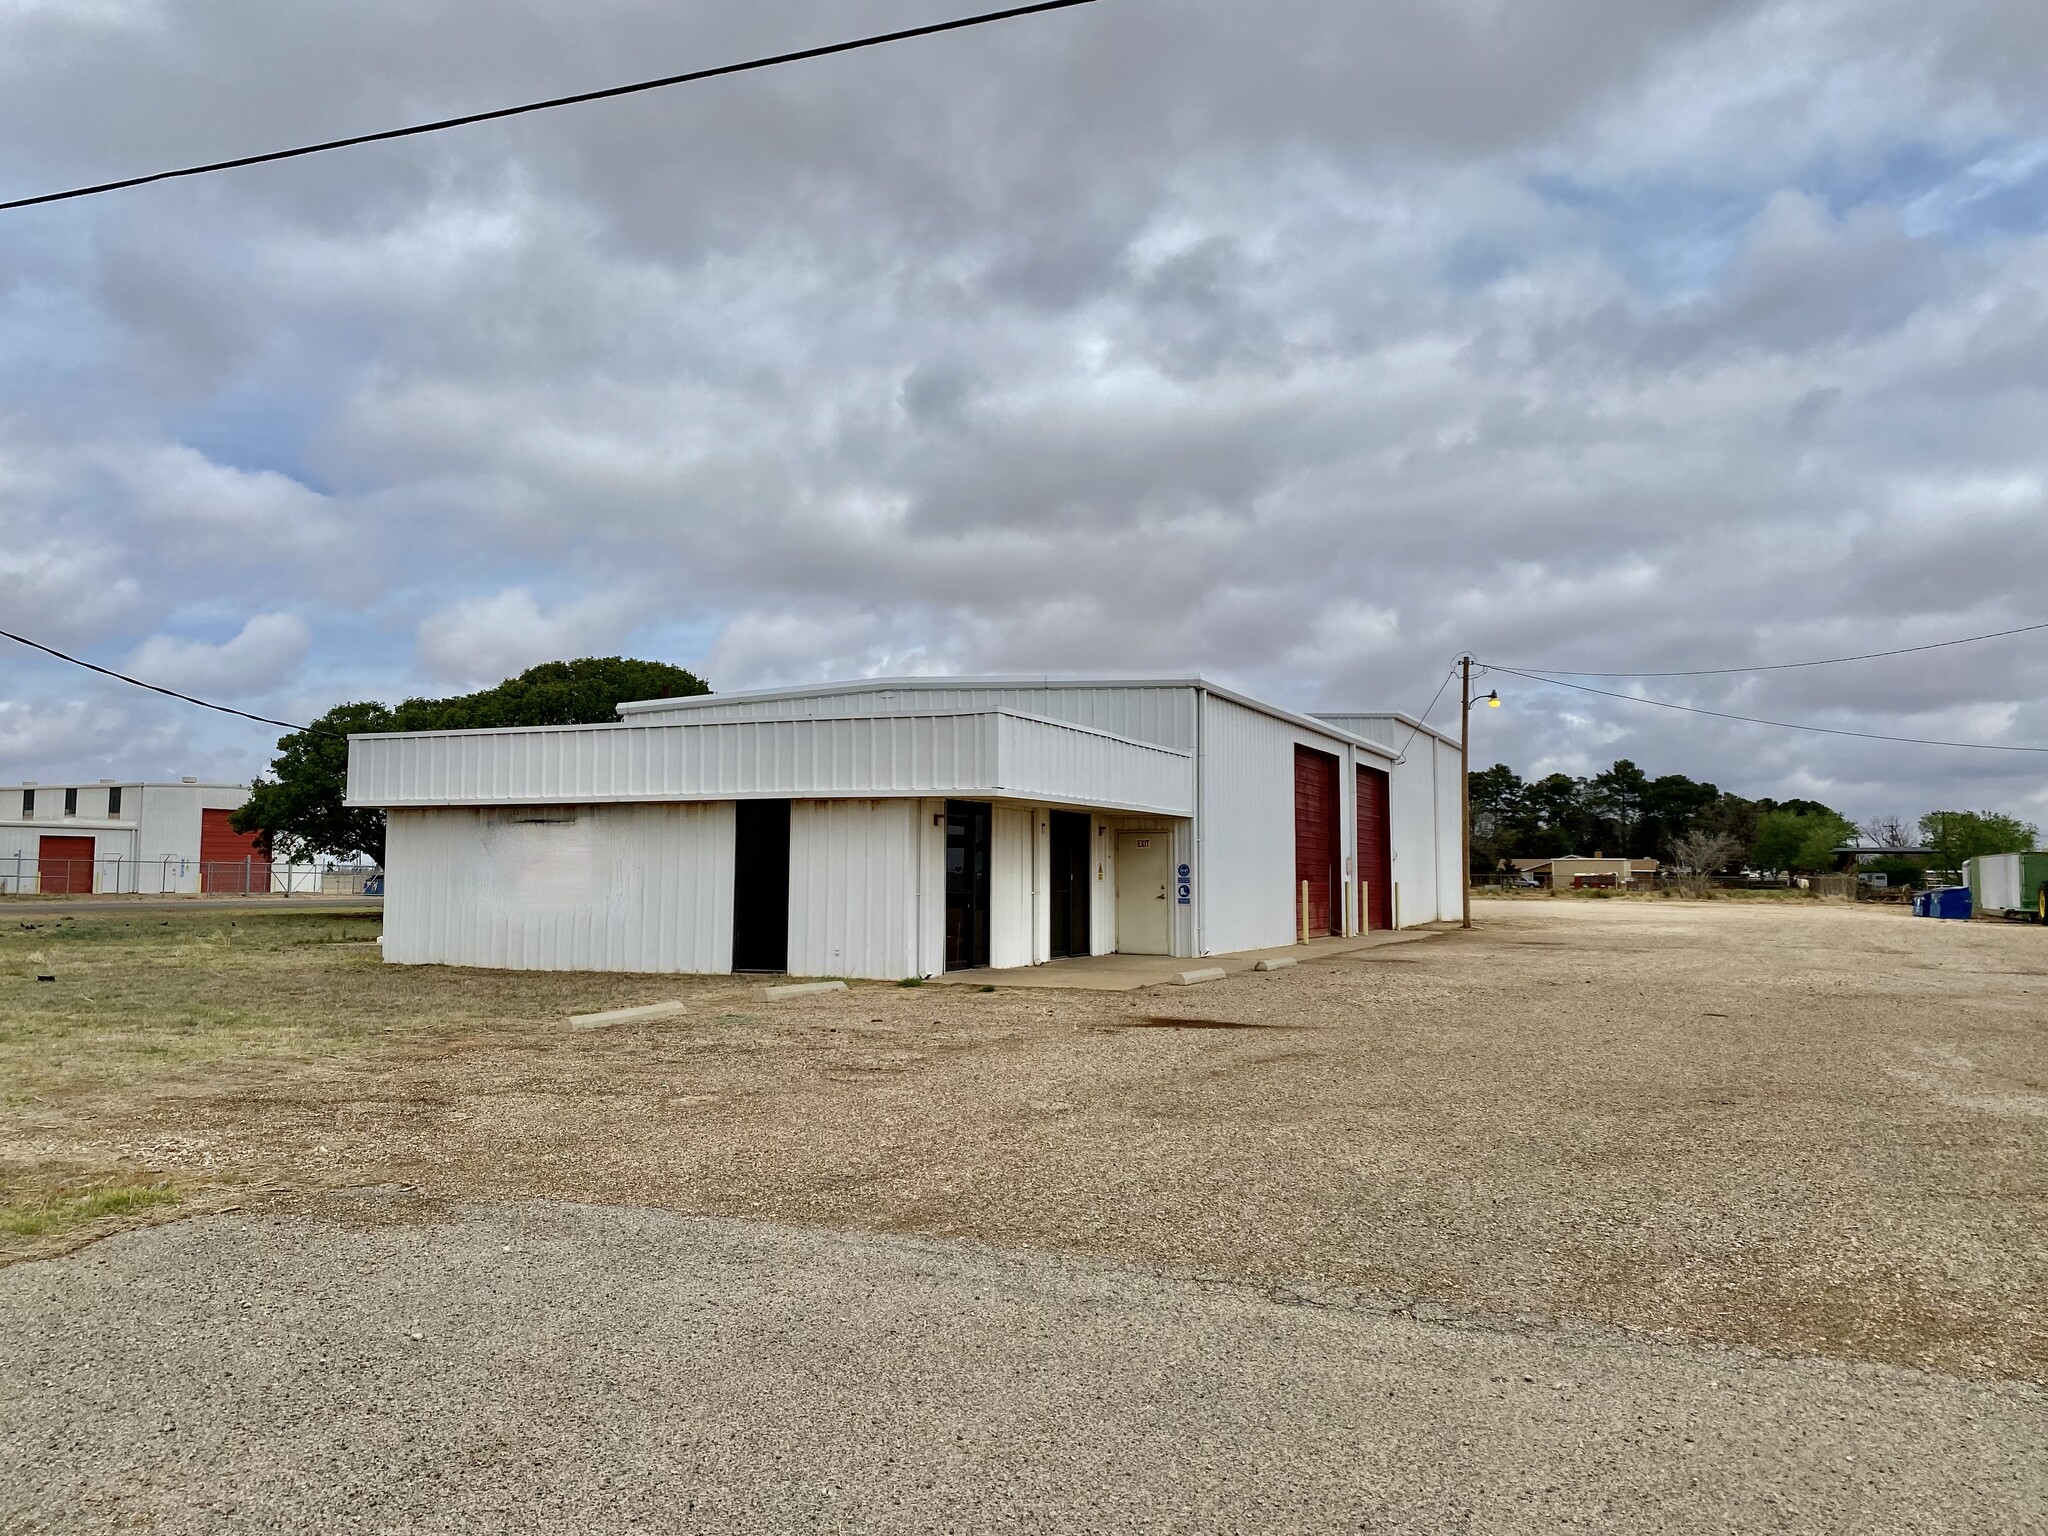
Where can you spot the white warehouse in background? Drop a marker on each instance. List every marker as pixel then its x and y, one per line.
pixel 73 839
pixel 908 827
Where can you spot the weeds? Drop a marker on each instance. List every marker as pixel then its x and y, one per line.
pixel 60 1211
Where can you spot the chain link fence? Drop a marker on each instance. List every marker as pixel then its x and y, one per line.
pixel 30 875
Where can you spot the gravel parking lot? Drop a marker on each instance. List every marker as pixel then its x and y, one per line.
pixel 1812 1130
pixel 555 1368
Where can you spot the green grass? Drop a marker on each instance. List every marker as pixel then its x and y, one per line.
pixel 61 1211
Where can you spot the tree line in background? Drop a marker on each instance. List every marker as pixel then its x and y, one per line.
pixel 1700 829
pixel 301 805
pixel 1678 821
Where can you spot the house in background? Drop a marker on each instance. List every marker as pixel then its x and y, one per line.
pixel 908 827
pixel 1578 871
pixel 75 839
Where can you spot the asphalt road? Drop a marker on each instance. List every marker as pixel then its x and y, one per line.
pixel 567 1368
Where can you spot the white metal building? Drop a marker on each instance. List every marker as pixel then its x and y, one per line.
pixel 905 827
pixel 155 837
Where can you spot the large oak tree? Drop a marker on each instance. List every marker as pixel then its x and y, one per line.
pixel 300 804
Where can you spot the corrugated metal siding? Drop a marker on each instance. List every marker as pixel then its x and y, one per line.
pixel 1450 886
pixel 599 888
pixel 1013 890
pixel 1389 732
pixel 931 887
pixel 1246 836
pixel 1163 715
pixel 1102 901
pixel 854 882
pixel 1412 793
pixel 969 756
pixel 1077 767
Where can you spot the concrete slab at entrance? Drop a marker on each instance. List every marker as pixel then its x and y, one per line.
pixel 1128 973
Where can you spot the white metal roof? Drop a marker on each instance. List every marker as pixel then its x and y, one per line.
pixel 1353 721
pixel 1190 681
pixel 990 753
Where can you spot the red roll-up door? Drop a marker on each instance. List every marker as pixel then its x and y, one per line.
pixel 64 866
pixel 1317 820
pixel 229 860
pixel 1376 847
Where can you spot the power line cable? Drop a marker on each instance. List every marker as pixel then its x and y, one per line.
pixel 1422 719
pixel 1783 725
pixel 1791 666
pixel 577 99
pixel 169 693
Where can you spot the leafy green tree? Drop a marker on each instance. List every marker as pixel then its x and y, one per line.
pixel 1557 820
pixel 1734 818
pixel 1496 816
pixel 1953 837
pixel 1619 797
pixel 1800 840
pixel 1672 807
pixel 301 807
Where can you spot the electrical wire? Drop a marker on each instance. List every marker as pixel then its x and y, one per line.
pixel 169 693
pixel 1792 666
pixel 1422 719
pixel 577 99
pixel 1783 725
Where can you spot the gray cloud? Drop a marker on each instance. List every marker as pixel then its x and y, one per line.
pixel 1304 349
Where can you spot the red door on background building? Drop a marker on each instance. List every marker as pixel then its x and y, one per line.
pixel 229 860
pixel 1376 847
pixel 64 866
pixel 1317 820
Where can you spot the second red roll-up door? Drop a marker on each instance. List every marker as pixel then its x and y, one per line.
pixel 231 861
pixel 1376 847
pixel 1317 821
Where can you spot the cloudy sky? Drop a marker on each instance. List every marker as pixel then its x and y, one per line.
pixel 1305 345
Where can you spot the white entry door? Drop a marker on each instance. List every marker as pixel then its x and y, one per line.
pixel 1144 889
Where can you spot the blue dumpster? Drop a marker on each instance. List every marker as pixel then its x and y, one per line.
pixel 1951 901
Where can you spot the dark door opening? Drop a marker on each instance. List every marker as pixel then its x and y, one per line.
pixel 760 885
pixel 1375 849
pixel 968 827
pixel 1317 818
pixel 1073 871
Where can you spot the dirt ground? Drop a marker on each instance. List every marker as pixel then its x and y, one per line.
pixel 1807 1127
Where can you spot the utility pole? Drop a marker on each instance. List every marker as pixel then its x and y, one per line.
pixel 1465 786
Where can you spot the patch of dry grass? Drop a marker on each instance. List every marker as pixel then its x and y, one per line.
pixel 58 1211
pixel 153 1010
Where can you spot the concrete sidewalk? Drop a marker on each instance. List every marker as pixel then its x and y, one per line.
pixel 1129 973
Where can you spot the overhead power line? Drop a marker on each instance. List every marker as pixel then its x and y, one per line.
pixel 577 99
pixel 1783 725
pixel 1422 719
pixel 136 682
pixel 1791 666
